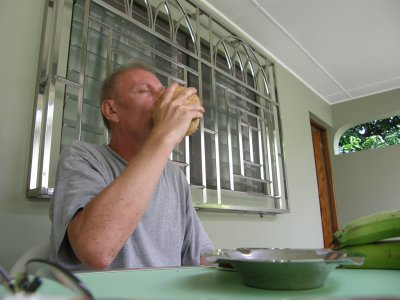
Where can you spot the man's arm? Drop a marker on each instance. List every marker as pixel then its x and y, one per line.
pixel 203 261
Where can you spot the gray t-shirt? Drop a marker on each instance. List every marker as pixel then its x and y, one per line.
pixel 169 234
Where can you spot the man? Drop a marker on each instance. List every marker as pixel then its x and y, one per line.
pixel 124 205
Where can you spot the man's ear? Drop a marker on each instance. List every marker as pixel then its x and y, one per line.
pixel 108 108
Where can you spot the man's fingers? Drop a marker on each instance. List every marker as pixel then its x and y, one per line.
pixel 178 93
pixel 169 91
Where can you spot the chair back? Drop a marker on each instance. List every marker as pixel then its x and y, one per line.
pixel 40 251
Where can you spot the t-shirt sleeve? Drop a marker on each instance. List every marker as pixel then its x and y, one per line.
pixel 79 180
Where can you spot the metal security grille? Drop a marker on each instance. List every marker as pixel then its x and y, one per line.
pixel 235 161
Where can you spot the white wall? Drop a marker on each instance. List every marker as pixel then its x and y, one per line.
pixel 368 181
pixel 301 228
pixel 24 223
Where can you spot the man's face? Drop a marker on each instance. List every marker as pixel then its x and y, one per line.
pixel 138 90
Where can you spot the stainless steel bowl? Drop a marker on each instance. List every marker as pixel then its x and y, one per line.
pixel 282 269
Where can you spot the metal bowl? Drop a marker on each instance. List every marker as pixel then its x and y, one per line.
pixel 282 269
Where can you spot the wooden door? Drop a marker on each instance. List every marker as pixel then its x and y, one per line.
pixel 325 182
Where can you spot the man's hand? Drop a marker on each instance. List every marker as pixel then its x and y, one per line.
pixel 173 114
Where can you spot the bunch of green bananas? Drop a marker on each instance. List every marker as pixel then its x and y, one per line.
pixel 368 237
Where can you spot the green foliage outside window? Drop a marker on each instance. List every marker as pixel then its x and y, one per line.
pixel 371 135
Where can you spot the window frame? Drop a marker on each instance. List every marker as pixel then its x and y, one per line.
pixel 244 67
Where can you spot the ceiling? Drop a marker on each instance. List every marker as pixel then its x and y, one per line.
pixel 342 49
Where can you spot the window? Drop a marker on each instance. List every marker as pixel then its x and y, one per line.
pixel 235 162
pixel 375 134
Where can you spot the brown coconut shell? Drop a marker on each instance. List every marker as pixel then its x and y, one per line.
pixel 194 99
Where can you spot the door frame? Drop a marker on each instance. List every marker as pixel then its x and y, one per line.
pixel 324 176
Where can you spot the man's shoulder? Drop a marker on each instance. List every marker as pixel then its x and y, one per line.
pixel 173 168
pixel 174 173
pixel 82 149
pixel 80 146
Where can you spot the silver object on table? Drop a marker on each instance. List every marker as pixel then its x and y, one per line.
pixel 283 269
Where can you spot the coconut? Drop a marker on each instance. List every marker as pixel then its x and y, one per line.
pixel 193 99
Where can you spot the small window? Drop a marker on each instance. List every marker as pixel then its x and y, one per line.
pixel 375 134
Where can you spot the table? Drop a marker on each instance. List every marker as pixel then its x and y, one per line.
pixel 210 283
